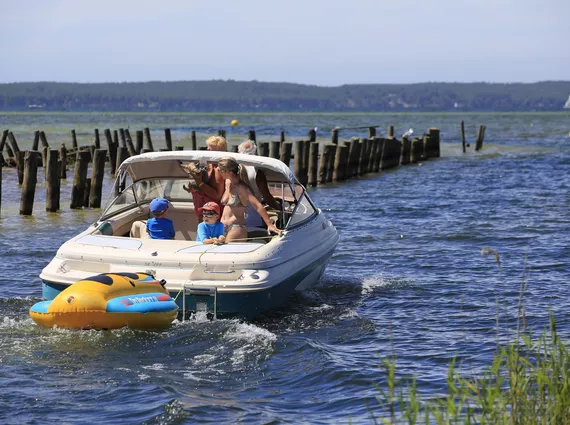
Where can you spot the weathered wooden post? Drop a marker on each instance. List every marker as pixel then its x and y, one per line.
pixel 406 150
pixel 148 139
pixel 193 142
pixel 112 152
pixel 390 131
pixel 282 136
pixel 346 173
pixel 87 193
pixel 251 135
pixel 371 132
pixel 29 184
pixel 274 149
pixel 480 137
pixel 373 154
pixel 300 171
pixel 74 144
pixel 313 164
pixel 116 138
pixel 97 140
pixel 354 157
pixel 378 159
pixel 63 160
pixel 3 140
pixel 463 135
pixel 20 163
pixel 363 160
pixel 1 165
pixel 52 181
pixel 264 149
pixel 286 151
pixel 79 178
pixel 306 152
pixel 417 150
pixel 139 142
pixel 222 133
pixel 122 154
pixel 334 136
pixel 329 157
pixel 123 137
pixel 36 142
pixel 129 142
pixel 313 135
pixel 168 139
pixel 432 143
pixel 13 144
pixel 98 172
pixel 179 148
pixel 340 161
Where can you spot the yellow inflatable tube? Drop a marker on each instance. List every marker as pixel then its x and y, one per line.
pixel 109 301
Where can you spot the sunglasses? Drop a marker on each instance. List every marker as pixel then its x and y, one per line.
pixel 209 213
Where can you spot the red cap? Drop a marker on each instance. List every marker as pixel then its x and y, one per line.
pixel 212 206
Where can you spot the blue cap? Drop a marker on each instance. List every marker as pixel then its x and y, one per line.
pixel 158 205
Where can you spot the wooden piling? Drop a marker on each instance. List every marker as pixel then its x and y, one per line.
pixel 98 172
pixel 251 135
pixel 417 150
pixel 312 135
pixel 480 137
pixel 112 148
pixel 193 142
pixel 79 179
pixel 390 131
pixel 129 143
pixel 36 142
pixel 286 150
pixel 300 171
pixel 371 132
pixel 378 158
pixel 13 144
pixel 330 151
pixel 282 136
pixel 123 137
pixel 3 140
pixel 87 193
pixel 20 164
pixel 52 181
pixel 63 160
pixel 340 160
pixel 139 142
pixel 29 183
pixel 463 135
pixel 74 144
pixel 431 148
pixel 363 160
pixel 334 136
pixel 314 170
pixel 179 148
pixel 168 139
pixel 122 154
pixel 263 148
pixel 148 139
pixel 97 139
pixel 274 149
pixel 406 150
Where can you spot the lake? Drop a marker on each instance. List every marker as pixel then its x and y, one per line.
pixel 407 279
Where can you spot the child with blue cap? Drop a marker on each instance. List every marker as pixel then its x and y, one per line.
pixel 159 227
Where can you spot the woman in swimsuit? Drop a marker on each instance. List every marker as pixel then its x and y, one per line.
pixel 236 197
pixel 212 189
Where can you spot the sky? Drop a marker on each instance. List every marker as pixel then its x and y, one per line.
pixel 318 42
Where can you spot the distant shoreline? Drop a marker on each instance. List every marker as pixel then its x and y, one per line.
pixel 257 97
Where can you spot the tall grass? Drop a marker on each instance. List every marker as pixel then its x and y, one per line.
pixel 528 382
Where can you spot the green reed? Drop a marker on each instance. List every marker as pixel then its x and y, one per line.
pixel 528 382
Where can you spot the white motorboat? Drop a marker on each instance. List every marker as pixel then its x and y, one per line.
pixel 238 278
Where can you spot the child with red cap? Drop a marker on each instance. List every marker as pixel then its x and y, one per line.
pixel 210 230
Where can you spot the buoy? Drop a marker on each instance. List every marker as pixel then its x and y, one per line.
pixel 235 122
pixel 109 301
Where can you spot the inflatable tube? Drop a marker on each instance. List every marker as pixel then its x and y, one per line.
pixel 109 301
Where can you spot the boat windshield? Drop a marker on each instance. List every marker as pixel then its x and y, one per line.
pixel 144 191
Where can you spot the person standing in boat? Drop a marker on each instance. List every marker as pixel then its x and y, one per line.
pixel 236 197
pixel 258 185
pixel 209 187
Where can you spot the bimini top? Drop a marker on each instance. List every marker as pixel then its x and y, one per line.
pixel 167 164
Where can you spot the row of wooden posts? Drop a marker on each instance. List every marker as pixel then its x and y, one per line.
pixel 339 161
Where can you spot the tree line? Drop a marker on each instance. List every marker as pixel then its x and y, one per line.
pixel 255 96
